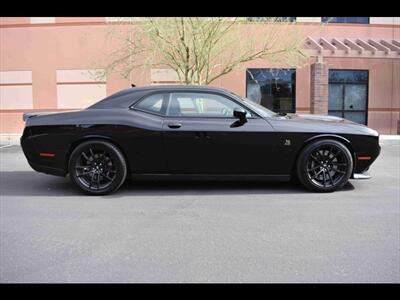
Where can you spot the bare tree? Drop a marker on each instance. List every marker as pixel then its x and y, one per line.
pixel 202 49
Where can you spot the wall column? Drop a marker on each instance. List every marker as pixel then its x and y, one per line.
pixel 319 88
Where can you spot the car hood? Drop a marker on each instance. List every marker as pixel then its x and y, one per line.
pixel 319 123
pixel 320 118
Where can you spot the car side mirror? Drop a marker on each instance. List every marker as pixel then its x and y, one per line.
pixel 240 113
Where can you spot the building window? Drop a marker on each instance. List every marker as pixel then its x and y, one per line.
pixel 163 77
pixel 16 90
pixel 286 19
pixel 273 88
pixel 357 20
pixel 348 95
pixel 79 88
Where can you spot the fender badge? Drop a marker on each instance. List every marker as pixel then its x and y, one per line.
pixel 287 143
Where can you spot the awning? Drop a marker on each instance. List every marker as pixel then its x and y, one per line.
pixel 353 47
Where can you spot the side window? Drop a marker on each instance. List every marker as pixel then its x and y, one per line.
pixel 201 105
pixel 152 103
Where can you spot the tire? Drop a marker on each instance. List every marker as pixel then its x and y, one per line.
pixel 97 167
pixel 324 166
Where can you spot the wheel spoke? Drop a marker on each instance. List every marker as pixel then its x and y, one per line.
pixel 326 154
pixel 91 180
pixel 330 151
pixel 81 167
pixel 330 177
pixel 313 168
pixel 319 156
pixel 85 156
pixel 108 177
pixel 316 174
pixel 341 172
pixel 339 164
pixel 335 155
pixel 316 159
pixel 94 178
pixel 323 176
pixel 83 174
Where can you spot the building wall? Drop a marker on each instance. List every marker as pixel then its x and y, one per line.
pixel 48 47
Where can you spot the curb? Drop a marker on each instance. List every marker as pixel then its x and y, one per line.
pixel 385 137
pixel 9 139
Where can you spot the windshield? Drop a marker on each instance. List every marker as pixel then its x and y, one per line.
pixel 259 109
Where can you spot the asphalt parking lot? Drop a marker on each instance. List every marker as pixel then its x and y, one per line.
pixel 199 231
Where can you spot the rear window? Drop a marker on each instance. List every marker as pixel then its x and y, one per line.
pixel 152 103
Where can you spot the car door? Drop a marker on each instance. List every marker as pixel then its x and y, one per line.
pixel 201 136
pixel 145 141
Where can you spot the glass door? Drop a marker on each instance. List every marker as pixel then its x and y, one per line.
pixel 348 95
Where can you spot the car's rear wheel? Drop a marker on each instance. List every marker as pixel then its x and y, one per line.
pixel 97 167
pixel 324 166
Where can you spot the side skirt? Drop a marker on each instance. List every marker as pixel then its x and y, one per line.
pixel 211 177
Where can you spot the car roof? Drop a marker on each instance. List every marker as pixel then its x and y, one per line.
pixel 172 87
pixel 127 97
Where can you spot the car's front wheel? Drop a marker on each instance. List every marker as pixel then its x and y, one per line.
pixel 324 166
pixel 97 167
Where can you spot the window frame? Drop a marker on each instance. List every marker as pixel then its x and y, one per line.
pixel 163 105
pixel 342 111
pixel 294 90
pixel 167 93
pixel 253 114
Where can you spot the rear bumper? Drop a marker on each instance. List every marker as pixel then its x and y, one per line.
pixel 39 164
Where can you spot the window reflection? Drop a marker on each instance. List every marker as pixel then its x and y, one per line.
pixel 272 88
pixel 348 94
pixel 205 105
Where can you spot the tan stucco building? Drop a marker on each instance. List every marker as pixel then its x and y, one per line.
pixel 354 71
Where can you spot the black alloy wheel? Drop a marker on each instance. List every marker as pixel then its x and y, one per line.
pixel 324 166
pixel 97 167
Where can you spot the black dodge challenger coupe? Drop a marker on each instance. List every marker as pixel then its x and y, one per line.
pixel 194 132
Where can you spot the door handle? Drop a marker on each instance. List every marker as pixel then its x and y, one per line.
pixel 174 125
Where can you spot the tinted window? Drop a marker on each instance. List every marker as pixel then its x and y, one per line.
pixel 201 105
pixel 272 88
pixel 152 103
pixel 360 20
pixel 348 76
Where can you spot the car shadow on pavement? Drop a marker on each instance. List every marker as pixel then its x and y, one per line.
pixel 26 183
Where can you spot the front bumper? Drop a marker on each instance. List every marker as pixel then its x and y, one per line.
pixel 362 166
